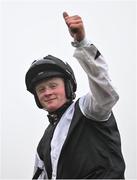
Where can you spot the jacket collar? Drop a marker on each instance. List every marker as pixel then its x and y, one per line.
pixel 55 116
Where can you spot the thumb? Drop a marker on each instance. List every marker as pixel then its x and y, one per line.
pixel 65 14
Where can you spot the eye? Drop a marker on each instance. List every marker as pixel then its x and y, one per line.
pixel 53 85
pixel 40 89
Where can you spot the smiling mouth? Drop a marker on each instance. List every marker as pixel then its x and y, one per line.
pixel 49 100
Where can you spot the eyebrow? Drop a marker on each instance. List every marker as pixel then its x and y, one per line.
pixel 48 83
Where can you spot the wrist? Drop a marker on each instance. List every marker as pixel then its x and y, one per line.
pixel 81 43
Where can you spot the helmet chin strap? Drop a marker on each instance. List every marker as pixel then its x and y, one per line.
pixel 69 90
pixel 37 100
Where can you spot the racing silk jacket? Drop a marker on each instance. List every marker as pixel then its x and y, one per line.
pixel 85 143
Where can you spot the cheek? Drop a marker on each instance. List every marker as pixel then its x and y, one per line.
pixel 62 92
pixel 40 97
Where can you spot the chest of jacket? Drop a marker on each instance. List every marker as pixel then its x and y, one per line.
pixel 91 150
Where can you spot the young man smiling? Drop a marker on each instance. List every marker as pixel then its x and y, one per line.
pixel 51 93
pixel 82 140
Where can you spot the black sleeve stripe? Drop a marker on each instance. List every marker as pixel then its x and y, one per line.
pixel 37 173
pixel 97 54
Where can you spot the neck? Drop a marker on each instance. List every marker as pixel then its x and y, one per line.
pixel 55 116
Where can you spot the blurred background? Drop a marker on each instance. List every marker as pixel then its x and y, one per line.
pixel 32 29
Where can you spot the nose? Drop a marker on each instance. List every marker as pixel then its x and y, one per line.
pixel 47 92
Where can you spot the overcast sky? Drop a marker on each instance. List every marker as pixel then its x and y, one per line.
pixel 33 29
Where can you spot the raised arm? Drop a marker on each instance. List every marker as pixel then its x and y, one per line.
pixel 98 103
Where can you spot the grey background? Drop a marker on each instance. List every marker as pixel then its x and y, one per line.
pixel 33 29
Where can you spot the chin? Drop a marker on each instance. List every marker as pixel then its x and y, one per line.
pixel 51 109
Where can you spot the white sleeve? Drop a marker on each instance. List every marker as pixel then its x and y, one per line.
pixel 98 103
pixel 39 169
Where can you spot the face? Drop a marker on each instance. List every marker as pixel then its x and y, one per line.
pixel 51 93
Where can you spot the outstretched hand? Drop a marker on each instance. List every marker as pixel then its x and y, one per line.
pixel 75 26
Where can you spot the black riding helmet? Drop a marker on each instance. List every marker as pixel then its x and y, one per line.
pixel 48 67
